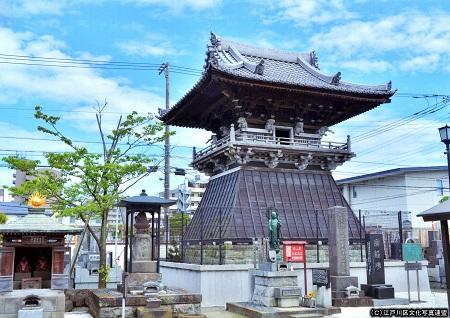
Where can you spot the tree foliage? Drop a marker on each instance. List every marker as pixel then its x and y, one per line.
pixel 175 223
pixel 87 184
pixel 443 199
pixel 3 218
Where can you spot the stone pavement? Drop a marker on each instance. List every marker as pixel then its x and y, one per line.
pixel 434 299
pixel 219 312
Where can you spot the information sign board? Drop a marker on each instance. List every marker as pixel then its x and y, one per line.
pixel 412 252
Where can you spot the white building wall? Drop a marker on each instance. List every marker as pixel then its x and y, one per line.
pixel 421 198
pixel 385 193
pixel 411 191
pixel 221 284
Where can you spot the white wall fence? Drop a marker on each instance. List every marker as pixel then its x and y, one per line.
pixel 220 284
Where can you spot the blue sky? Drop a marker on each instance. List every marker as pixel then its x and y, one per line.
pixel 370 42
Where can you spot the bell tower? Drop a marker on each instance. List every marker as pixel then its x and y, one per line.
pixel 271 114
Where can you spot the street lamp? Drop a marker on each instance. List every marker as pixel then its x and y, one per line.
pixel 444 132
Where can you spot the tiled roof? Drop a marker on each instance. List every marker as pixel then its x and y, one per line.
pixel 13 208
pixel 391 172
pixel 37 222
pixel 234 206
pixel 275 66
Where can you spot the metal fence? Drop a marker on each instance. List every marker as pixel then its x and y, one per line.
pixel 225 235
pixel 395 226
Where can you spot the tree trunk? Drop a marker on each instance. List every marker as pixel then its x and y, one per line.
pixel 103 272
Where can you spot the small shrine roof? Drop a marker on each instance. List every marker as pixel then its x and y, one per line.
pixel 437 213
pixel 144 200
pixel 37 222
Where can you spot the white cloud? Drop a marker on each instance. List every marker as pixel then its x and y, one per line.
pixel 423 62
pixel 15 8
pixel 71 87
pixel 305 12
pixel 407 41
pixel 413 144
pixel 366 65
pixel 142 49
pixel 178 5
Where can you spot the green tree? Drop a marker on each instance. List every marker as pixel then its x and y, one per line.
pixel 88 184
pixel 175 223
pixel 3 218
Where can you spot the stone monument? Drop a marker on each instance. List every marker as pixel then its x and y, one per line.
pixel 143 268
pixel 376 286
pixel 142 246
pixel 338 249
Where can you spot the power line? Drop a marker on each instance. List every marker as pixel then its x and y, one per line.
pixel 395 124
pixel 85 63
pixel 90 61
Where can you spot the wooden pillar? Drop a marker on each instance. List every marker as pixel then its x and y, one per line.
pixel 445 246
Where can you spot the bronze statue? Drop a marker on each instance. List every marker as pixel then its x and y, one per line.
pixel 274 230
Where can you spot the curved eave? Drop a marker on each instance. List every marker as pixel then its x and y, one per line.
pixel 372 97
pixel 381 97
pixel 166 117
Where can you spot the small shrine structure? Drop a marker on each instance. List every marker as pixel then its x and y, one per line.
pixel 33 252
pixel 142 246
pixel 269 112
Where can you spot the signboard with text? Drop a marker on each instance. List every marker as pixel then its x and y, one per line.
pixel 294 252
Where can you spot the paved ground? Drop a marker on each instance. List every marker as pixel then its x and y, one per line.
pixel 434 299
pixel 219 312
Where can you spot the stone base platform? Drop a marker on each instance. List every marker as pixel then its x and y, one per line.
pixel 352 302
pixel 137 279
pixel 255 311
pixel 339 283
pixel 267 282
pixel 390 302
pixel 108 303
pixel 52 302
pixel 143 312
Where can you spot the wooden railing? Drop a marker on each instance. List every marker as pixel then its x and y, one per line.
pixel 302 141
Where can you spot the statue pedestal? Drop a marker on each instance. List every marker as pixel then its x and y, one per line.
pixel 274 289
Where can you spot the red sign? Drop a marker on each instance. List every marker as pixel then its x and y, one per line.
pixel 294 252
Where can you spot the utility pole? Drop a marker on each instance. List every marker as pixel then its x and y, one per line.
pixel 165 68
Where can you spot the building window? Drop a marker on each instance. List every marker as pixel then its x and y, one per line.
pixel 440 187
pixel 354 194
